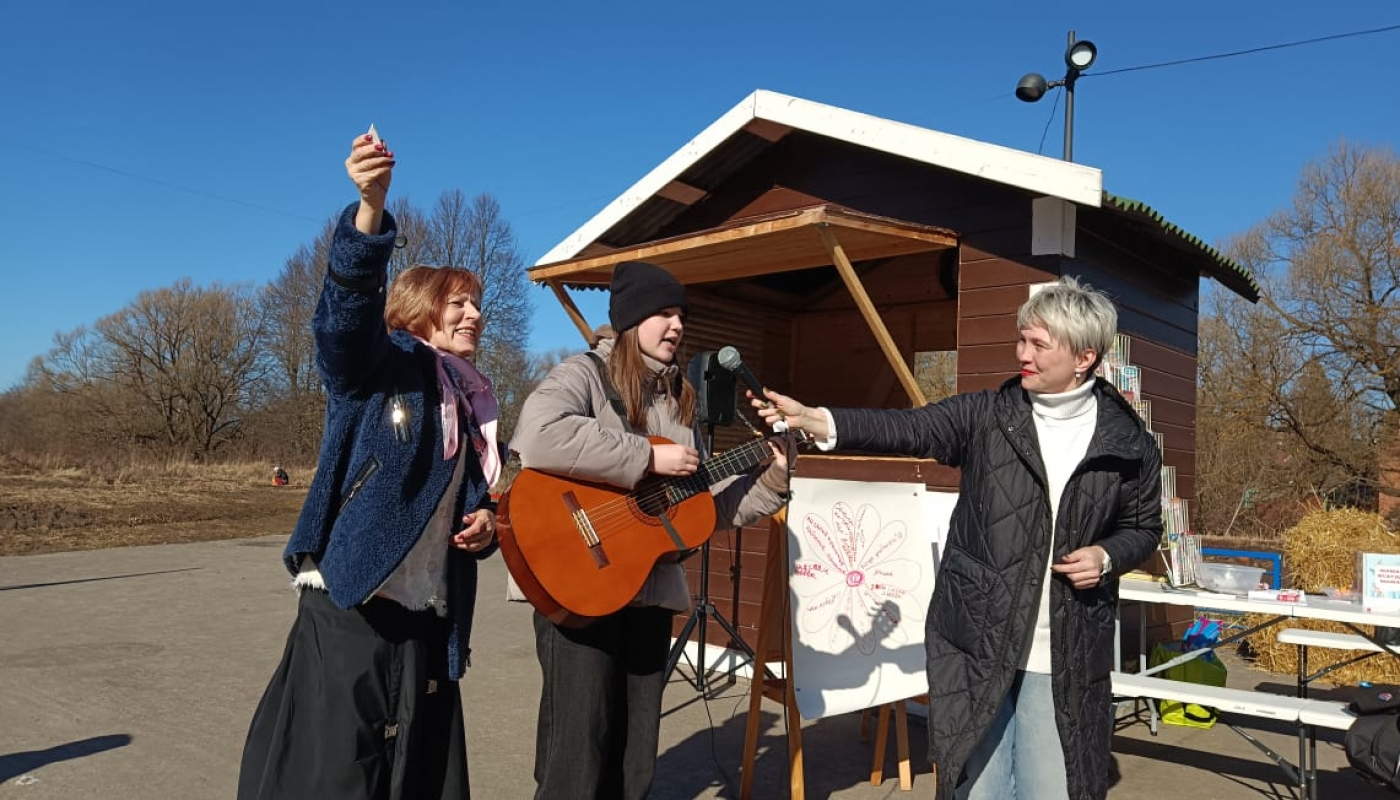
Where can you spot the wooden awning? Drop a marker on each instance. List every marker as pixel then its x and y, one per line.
pixel 780 242
pixel 816 236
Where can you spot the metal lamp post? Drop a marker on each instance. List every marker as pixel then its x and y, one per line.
pixel 1079 56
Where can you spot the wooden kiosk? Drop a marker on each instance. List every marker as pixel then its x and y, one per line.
pixel 832 247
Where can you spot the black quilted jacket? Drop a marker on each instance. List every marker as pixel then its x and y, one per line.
pixel 984 602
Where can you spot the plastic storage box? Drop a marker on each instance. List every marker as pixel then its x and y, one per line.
pixel 1231 578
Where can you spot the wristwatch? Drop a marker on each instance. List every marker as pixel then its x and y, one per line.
pixel 1107 563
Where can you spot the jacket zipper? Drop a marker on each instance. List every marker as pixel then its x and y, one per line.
pixel 1025 567
pixel 1028 453
pixel 370 467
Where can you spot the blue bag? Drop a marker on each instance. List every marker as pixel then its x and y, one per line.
pixel 1203 632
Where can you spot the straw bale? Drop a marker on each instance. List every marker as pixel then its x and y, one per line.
pixel 1320 553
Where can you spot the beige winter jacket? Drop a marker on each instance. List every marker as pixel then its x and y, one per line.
pixel 567 427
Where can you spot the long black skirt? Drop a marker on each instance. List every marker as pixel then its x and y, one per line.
pixel 360 708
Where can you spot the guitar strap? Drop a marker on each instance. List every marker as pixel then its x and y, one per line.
pixel 620 408
pixel 614 399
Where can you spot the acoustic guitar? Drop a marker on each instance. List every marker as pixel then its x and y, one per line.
pixel 580 550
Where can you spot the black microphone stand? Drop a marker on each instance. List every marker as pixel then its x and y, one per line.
pixel 704 609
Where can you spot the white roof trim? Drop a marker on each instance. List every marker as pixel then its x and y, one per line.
pixel 1040 174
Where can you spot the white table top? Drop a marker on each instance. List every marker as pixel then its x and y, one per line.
pixel 1315 607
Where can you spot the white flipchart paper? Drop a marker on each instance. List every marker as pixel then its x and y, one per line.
pixel 861 564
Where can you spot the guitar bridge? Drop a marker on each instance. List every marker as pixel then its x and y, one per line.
pixel 585 529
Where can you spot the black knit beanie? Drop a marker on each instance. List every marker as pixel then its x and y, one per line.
pixel 640 289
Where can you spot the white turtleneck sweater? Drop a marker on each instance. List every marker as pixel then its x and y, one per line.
pixel 1064 424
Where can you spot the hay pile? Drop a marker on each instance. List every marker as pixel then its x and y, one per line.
pixel 1318 553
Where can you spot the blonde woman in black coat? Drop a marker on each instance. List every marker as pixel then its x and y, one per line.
pixel 1060 493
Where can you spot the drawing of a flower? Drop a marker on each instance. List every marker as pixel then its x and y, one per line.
pixel 857 587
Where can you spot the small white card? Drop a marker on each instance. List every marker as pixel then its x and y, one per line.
pixel 1280 595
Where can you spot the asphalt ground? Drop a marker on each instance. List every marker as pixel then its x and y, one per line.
pixel 131 673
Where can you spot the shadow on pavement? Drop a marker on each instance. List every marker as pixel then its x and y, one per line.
pixel 834 758
pixel 91 580
pixel 1255 777
pixel 16 764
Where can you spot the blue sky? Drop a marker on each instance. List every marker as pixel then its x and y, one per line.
pixel 145 142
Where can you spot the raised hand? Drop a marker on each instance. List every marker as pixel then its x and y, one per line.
pixel 371 168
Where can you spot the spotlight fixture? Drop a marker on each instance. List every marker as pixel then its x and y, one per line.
pixel 1031 87
pixel 1079 56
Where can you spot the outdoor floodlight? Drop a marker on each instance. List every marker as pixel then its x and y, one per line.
pixel 1031 87
pixel 1079 56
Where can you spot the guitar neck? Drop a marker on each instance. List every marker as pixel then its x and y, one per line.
pixel 732 462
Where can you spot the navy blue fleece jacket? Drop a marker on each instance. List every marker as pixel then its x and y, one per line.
pixel 375 489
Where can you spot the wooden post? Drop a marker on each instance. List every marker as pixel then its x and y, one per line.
pixel 773 630
pixel 901 736
pixel 872 316
pixel 906 775
pixel 882 731
pixel 575 316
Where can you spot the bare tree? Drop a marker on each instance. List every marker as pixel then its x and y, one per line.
pixel 1247 483
pixel 34 421
pixel 493 255
pixel 450 230
pixel 415 242
pixel 1331 268
pixel 174 368
pixel 289 302
pixel 284 423
pixel 76 399
pixel 514 373
pixel 199 371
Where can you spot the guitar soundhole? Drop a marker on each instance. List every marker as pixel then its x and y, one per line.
pixel 652 498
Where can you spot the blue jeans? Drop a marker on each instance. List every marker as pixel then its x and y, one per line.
pixel 1021 757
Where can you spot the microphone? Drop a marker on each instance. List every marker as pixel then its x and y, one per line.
pixel 729 359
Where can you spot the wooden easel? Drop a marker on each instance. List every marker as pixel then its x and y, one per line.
pixel 901 734
pixel 773 634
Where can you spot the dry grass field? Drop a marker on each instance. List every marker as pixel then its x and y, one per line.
pixel 45 509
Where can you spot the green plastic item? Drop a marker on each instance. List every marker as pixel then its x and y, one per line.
pixel 1206 670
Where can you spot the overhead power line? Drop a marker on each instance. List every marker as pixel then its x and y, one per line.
pixel 166 184
pixel 1234 53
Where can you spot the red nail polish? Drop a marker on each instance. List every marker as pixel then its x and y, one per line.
pixel 369 138
pixel 389 153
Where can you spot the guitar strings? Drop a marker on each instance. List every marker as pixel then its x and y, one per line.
pixel 605 513
pixel 604 516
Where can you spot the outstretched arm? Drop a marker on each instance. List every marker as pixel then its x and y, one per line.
pixel 371 167
pixel 799 417
pixel 351 342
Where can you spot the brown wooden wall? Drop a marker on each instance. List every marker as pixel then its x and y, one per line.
pixel 715 322
pixel 992 285
pixel 1158 309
